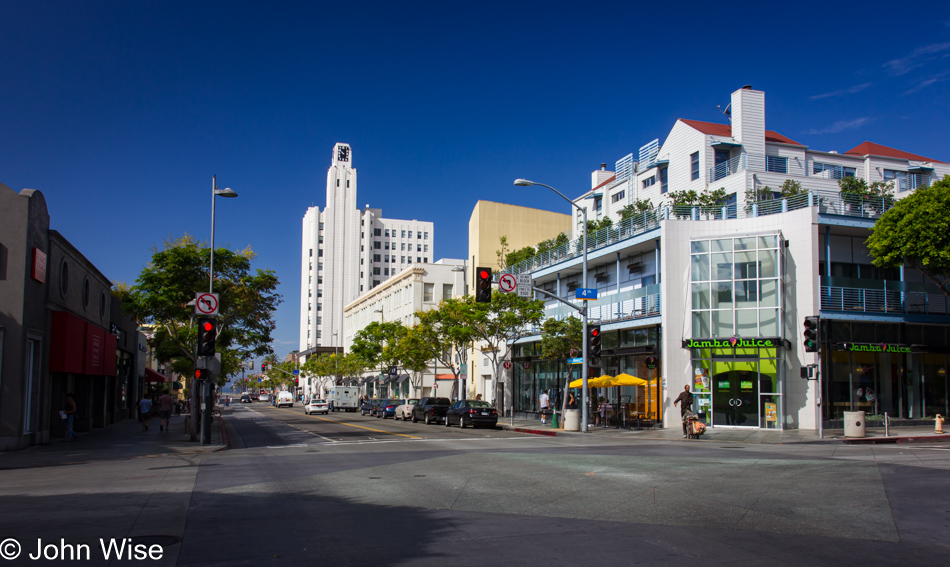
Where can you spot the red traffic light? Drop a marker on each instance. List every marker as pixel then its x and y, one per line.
pixel 594 332
pixel 208 326
pixel 484 274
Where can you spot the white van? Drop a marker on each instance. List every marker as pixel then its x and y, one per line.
pixel 285 399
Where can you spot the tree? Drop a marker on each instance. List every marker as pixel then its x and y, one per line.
pixel 561 339
pixel 916 231
pixel 552 243
pixel 519 256
pixel 448 332
pixel 164 288
pixel 375 345
pixel 635 208
pixel 506 319
pixel 502 253
pixel 415 352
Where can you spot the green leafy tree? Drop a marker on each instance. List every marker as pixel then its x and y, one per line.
pixel 518 256
pixel 163 289
pixel 447 332
pixel 714 198
pixel 506 319
pixel 790 188
pixel 635 208
pixel 552 243
pixel 916 231
pixel 561 339
pixel 415 352
pixel 375 345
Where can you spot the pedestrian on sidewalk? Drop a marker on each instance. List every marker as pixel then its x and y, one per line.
pixel 70 417
pixel 604 406
pixel 687 400
pixel 544 402
pixel 165 404
pixel 145 411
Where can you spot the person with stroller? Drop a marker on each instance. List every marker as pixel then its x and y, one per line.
pixel 686 398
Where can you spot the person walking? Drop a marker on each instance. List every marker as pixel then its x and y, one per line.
pixel 70 417
pixel 604 406
pixel 165 404
pixel 544 402
pixel 145 411
pixel 686 398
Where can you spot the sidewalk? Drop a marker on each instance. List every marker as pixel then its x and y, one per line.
pixel 909 434
pixel 123 440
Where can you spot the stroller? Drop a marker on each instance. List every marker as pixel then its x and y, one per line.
pixel 694 427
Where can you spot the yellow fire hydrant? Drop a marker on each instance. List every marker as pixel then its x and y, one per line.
pixel 938 424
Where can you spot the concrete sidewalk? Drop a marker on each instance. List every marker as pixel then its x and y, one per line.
pixel 728 435
pixel 123 440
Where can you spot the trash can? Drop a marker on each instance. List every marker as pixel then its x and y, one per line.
pixel 554 416
pixel 854 424
pixel 572 420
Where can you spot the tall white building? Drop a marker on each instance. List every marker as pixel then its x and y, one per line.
pixel 347 251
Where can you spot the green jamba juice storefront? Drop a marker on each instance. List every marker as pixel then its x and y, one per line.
pixel 738 381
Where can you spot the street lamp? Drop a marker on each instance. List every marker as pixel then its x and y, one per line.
pixel 584 367
pixel 215 192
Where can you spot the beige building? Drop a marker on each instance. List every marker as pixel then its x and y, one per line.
pixel 523 226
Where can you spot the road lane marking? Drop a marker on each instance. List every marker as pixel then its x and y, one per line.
pixel 352 425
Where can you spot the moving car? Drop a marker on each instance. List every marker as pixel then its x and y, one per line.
pixel 263 398
pixel 430 410
pixel 284 399
pixel 388 408
pixel 245 399
pixel 316 406
pixel 471 412
pixel 404 410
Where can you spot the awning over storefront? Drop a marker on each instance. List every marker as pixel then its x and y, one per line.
pixel 402 378
pixel 445 376
pixel 152 376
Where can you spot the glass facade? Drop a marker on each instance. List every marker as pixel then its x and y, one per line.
pixel 738 386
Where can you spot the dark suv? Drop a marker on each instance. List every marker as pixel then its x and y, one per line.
pixel 368 407
pixel 431 410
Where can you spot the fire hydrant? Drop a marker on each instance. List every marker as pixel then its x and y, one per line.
pixel 938 424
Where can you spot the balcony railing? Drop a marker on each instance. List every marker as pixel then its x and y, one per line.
pixel 729 167
pixel 828 202
pixel 883 301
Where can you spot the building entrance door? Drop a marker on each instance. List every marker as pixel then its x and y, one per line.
pixel 735 397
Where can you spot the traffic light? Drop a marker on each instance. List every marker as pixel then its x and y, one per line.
pixel 812 334
pixel 202 374
pixel 263 367
pixel 296 381
pixel 593 343
pixel 207 333
pixel 483 285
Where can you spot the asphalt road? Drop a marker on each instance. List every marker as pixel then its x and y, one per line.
pixel 344 489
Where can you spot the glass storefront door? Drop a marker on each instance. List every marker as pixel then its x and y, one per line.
pixel 735 397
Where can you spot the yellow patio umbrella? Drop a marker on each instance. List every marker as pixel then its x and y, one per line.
pixel 599 382
pixel 627 380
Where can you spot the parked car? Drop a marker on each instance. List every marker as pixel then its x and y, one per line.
pixel 245 399
pixel 471 412
pixel 368 407
pixel 430 410
pixel 263 398
pixel 404 410
pixel 388 408
pixel 316 406
pixel 284 399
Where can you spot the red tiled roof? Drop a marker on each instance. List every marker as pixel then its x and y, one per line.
pixel 606 181
pixel 870 148
pixel 725 130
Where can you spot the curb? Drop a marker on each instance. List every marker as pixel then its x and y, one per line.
pixel 894 439
pixel 532 431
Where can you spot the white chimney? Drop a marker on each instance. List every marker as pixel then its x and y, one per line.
pixel 599 176
pixel 748 120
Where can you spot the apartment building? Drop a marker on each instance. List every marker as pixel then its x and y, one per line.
pixel 347 251
pixel 715 297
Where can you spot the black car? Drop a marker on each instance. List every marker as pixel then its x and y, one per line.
pixel 245 399
pixel 368 407
pixel 471 412
pixel 431 410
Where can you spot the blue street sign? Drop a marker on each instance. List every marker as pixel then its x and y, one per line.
pixel 577 360
pixel 296 372
pixel 585 293
pixel 260 380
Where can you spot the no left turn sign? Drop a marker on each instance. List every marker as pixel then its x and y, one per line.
pixel 206 303
pixel 507 283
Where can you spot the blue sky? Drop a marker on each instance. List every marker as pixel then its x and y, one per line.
pixel 120 112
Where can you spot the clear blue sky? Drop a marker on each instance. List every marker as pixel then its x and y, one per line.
pixel 120 112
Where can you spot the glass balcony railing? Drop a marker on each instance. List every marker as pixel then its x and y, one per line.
pixel 883 301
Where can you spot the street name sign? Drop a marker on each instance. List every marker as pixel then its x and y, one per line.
pixel 585 293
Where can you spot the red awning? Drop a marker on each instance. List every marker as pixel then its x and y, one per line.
pixel 445 376
pixel 152 376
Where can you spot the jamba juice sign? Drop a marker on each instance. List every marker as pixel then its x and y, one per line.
pixel 884 347
pixel 732 342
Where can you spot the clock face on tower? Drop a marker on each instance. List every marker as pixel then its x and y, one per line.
pixel 343 153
